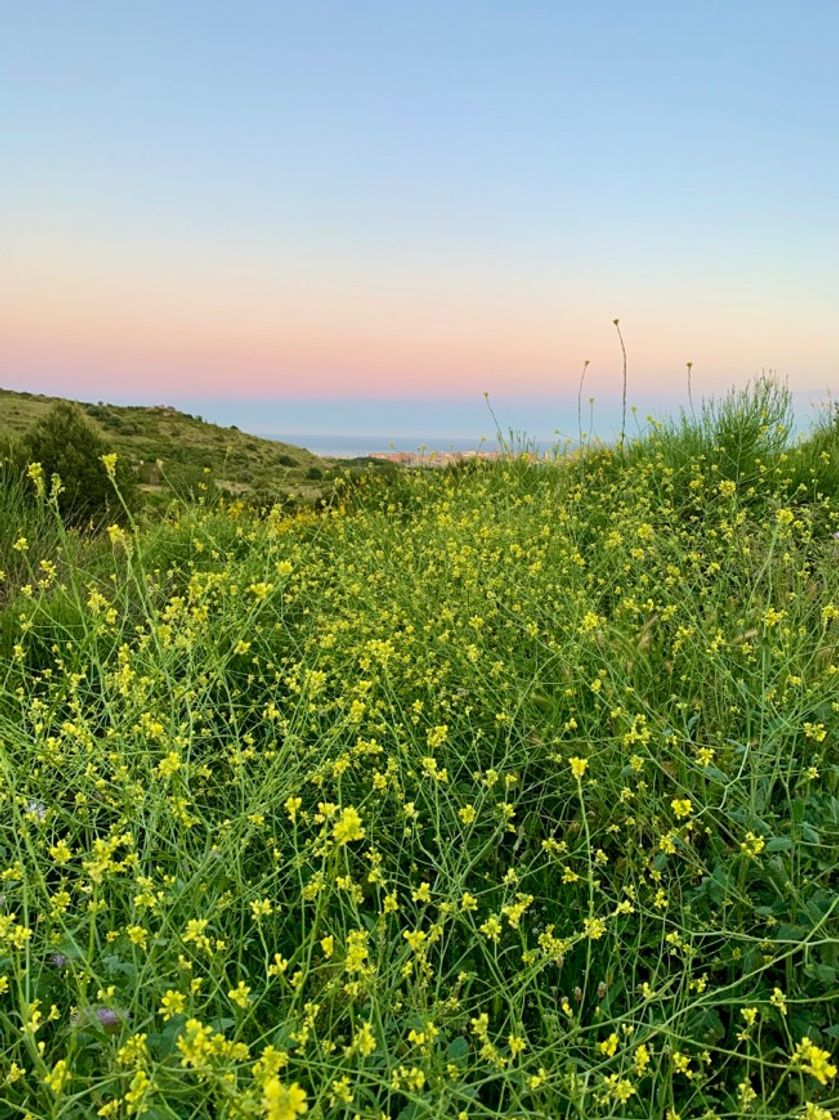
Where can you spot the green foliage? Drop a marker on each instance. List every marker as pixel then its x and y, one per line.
pixel 736 437
pixel 68 446
pixel 813 465
pixel 510 790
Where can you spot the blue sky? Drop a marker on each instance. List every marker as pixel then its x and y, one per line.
pixel 416 202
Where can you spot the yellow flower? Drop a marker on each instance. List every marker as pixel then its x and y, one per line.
pixel 815 1112
pixel 140 1085
pixel 283 1102
pixel 415 938
pixel 437 735
pixel 578 766
pixel 516 1044
pixel 173 1003
pixel 261 908
pixel 239 994
pixel 60 853
pixel 110 463
pixel 58 1077
pixel 491 928
pixel 618 1088
pixel 116 535
pixel 169 765
pixel 195 933
pixel 348 827
pixel 292 806
pixel 752 845
pixel 815 731
pixel 364 1041
pixel 682 807
pixel 609 1046
pixel 681 1062
pixel 811 1059
pixel 641 1059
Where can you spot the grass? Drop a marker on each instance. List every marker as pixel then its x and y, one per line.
pixel 501 791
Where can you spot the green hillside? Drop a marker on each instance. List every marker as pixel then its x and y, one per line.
pixel 172 451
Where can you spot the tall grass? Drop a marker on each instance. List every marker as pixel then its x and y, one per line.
pixel 29 532
pixel 501 792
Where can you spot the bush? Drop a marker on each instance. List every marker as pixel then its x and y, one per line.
pixel 66 444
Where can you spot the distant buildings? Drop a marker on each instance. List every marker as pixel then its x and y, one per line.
pixel 421 458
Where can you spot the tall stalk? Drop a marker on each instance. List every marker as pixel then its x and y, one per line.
pixel 580 402
pixel 623 401
pixel 690 389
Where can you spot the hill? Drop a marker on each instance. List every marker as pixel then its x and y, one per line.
pixel 174 451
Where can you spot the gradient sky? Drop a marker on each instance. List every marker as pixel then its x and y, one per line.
pixel 287 203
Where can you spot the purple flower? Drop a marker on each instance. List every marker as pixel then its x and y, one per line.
pixel 106 1017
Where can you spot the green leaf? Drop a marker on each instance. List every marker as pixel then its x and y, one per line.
pixel 457 1050
pixel 824 973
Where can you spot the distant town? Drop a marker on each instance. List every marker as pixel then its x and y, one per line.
pixel 432 458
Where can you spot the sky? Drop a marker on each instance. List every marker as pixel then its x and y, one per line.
pixel 309 215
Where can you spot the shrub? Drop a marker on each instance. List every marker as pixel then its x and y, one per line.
pixel 66 444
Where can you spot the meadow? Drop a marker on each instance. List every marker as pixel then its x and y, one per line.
pixel 508 790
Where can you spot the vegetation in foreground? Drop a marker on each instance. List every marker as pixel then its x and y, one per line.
pixel 506 791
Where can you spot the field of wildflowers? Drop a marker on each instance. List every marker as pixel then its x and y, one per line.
pixel 504 791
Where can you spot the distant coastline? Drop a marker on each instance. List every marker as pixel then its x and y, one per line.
pixel 354 446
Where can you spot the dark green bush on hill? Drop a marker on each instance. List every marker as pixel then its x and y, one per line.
pixel 66 444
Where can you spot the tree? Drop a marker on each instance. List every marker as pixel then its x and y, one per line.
pixel 65 443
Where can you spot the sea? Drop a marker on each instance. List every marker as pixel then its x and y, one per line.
pixel 355 446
